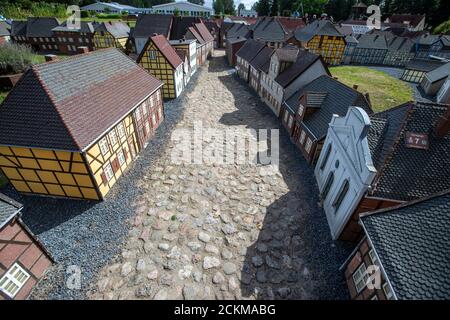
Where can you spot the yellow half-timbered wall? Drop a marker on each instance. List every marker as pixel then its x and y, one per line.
pixel 103 39
pixel 157 65
pixel 47 172
pixel 330 47
pixel 112 153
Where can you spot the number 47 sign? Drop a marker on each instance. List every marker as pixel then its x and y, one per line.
pixel 73 22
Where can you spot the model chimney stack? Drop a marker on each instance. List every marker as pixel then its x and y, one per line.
pixel 82 50
pixel 51 57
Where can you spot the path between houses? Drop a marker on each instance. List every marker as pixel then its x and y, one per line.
pixel 226 231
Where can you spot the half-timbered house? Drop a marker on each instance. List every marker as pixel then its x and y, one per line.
pixel 257 66
pixel 19 31
pixel 69 38
pixel 39 33
pixel 371 49
pixel 400 50
pixel 246 54
pixel 290 69
pixel 308 112
pixel 23 258
pixel 416 69
pixel 322 38
pixel 399 232
pixel 385 165
pixel 350 44
pixel 71 128
pixel 190 48
pixel 111 35
pixel 161 60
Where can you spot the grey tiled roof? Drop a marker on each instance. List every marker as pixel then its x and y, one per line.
pixel 19 28
pixel 148 24
pixel 8 209
pixel 410 173
pixel 303 61
pixel 262 58
pixel 439 73
pixel 400 44
pixel 238 30
pixel 250 49
pixel 269 29
pixel 424 65
pixel 383 132
pixel 68 104
pixel 372 41
pixel 116 29
pixel 412 242
pixel 426 39
pixel 321 27
pixel 85 27
pixel 5 29
pixel 41 27
pixel 339 98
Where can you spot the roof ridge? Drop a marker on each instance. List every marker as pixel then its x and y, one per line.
pixel 52 100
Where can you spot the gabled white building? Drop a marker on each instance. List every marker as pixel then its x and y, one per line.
pixel 114 7
pixel 185 8
pixel 345 167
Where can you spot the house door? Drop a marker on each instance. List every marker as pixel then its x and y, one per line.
pixel 132 148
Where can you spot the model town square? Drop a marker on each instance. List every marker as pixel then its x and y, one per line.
pixel 224 150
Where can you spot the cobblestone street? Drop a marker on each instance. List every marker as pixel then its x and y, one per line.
pixel 226 231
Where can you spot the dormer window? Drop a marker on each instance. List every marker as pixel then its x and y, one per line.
pixel 301 108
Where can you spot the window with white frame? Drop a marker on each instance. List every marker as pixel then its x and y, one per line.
pixel 152 54
pixel 291 119
pixel 121 130
pixel 13 280
pixel 113 137
pixel 153 120
pixel 373 257
pixel 286 115
pixel 108 171
pixel 388 291
pixel 121 158
pixel 104 148
pixel 302 137
pixel 308 145
pixel 360 278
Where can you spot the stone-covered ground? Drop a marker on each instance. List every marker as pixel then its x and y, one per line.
pixel 171 231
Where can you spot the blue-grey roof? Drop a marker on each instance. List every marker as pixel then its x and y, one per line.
pixel 338 99
pixel 321 27
pixel 412 242
pixel 41 27
pixel 439 73
pixel 269 29
pixel 8 209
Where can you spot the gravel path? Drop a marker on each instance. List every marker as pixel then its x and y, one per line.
pixel 197 231
pixel 418 93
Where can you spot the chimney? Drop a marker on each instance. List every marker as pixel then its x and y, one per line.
pixel 82 50
pixel 443 125
pixel 355 86
pixel 51 57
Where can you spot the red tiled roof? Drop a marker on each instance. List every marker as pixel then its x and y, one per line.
pixel 69 104
pixel 291 24
pixel 167 50
pixel 196 35
pixel 204 33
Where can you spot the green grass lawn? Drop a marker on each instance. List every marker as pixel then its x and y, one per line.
pixel 384 90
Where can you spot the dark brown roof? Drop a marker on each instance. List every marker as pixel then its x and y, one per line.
pixel 165 48
pixel 304 60
pixel 203 31
pixel 41 27
pixel 250 49
pixel 196 35
pixel 149 24
pixel 180 26
pixel 410 173
pixel 413 19
pixel 69 104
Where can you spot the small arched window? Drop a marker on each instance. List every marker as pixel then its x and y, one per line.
pixel 328 185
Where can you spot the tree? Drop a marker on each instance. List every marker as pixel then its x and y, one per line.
pixel 200 2
pixel 224 7
pixel 275 9
pixel 262 7
pixel 311 6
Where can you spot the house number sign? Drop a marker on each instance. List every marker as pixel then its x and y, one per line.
pixel 416 140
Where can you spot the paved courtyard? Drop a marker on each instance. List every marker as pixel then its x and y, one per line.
pixel 225 231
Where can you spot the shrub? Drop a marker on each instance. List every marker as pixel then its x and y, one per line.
pixel 443 28
pixel 85 14
pixel 15 58
pixel 109 16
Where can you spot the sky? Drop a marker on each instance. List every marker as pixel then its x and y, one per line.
pixel 248 3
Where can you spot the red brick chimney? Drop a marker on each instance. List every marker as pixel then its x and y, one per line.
pixel 51 57
pixel 82 50
pixel 443 125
